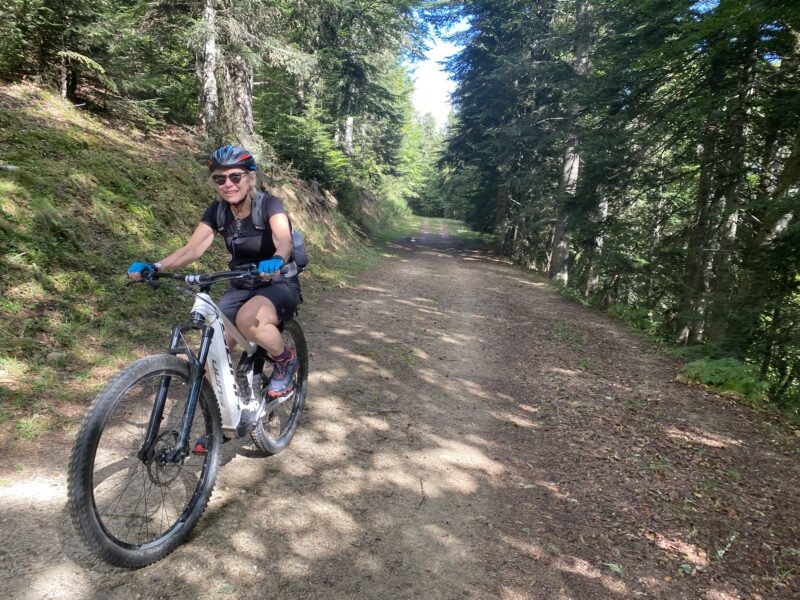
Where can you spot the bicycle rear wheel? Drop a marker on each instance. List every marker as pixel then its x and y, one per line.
pixel 133 513
pixel 276 428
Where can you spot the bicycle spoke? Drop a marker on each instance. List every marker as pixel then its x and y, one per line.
pixel 139 502
pixel 121 495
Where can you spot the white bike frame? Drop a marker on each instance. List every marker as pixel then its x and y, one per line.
pixel 219 368
pixel 240 402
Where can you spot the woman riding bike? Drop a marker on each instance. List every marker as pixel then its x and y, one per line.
pixel 257 308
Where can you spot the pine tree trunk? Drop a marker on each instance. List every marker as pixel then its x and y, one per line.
pixel 300 93
pixel 789 177
pixel 766 356
pixel 63 77
pixel 206 60
pixel 778 173
pixel 237 112
pixel 559 258
pixel 592 276
pixel 655 240
pixel 559 253
pixel 723 275
pixel 348 135
pixel 692 310
pixel 785 381
pixel 732 179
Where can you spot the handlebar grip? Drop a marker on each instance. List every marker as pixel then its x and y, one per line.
pixel 253 269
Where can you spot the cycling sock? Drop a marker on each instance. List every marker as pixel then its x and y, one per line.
pixel 283 356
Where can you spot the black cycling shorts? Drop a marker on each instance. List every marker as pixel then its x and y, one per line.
pixel 285 297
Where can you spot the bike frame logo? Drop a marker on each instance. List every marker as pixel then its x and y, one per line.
pixel 217 378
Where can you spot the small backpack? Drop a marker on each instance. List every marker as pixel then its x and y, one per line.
pixel 299 257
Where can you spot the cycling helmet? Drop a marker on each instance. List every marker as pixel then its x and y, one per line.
pixel 231 156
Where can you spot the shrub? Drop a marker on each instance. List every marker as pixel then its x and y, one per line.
pixel 636 317
pixel 727 375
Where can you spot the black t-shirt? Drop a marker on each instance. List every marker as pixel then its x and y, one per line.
pixel 246 244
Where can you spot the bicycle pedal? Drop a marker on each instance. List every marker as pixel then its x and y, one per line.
pixel 278 400
pixel 284 396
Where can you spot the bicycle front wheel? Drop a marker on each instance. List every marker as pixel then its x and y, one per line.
pixel 131 512
pixel 276 428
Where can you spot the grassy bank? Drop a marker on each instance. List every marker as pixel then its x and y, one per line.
pixel 80 199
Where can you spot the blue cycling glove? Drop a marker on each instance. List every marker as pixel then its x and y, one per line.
pixel 270 266
pixel 140 267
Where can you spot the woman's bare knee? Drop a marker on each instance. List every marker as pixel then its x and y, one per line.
pixel 256 314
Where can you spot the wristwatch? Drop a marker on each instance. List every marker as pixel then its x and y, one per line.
pixel 158 266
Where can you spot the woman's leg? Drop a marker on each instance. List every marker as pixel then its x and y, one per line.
pixel 258 321
pixel 230 303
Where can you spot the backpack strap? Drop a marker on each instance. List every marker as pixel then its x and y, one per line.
pixel 260 223
pixel 256 210
pixel 221 208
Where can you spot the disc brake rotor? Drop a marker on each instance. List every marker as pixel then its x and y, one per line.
pixel 163 473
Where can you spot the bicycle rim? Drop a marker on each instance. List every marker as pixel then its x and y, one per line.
pixel 277 426
pixel 141 506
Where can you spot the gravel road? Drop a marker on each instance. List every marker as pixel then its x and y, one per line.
pixel 468 434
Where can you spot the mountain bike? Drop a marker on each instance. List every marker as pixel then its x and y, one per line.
pixel 138 478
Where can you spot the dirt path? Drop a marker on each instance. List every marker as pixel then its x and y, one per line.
pixel 469 434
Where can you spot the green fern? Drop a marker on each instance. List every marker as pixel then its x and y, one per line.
pixel 95 68
pixel 727 374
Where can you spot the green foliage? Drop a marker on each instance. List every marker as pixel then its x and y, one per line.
pixel 422 148
pixel 727 374
pixel 317 68
pixel 680 130
pixel 636 317
pixel 307 145
pixel 42 33
pixel 31 427
pixel 95 69
pixel 695 352
pixel 85 201
pixel 570 293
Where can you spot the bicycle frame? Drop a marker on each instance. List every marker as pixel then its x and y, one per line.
pixel 214 354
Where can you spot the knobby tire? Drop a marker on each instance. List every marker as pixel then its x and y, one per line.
pixel 115 522
pixel 275 430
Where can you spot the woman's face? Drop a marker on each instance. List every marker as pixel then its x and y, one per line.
pixel 227 188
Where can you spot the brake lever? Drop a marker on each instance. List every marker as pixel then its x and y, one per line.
pixel 153 282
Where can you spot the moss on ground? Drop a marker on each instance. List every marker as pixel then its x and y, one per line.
pixel 80 199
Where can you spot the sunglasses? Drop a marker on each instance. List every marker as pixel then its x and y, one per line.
pixel 234 177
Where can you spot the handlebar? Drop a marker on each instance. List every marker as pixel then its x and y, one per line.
pixel 248 271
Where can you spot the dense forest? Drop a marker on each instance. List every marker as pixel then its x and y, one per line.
pixel 645 155
pixel 322 87
pixel 108 111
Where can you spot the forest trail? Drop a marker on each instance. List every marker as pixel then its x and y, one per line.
pixel 469 434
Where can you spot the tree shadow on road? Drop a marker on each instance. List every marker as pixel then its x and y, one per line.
pixel 466 439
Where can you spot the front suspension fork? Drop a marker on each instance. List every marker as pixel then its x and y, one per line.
pixel 197 372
